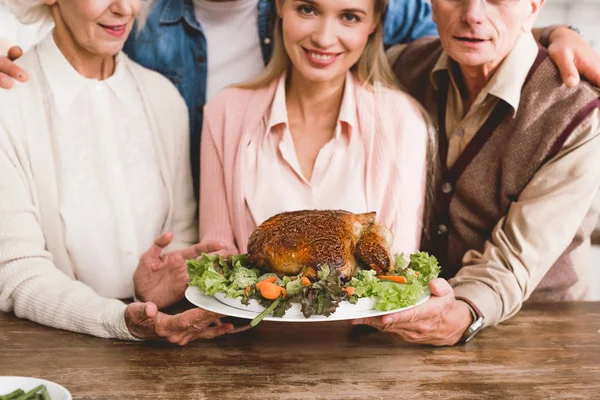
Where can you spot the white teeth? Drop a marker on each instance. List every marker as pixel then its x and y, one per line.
pixel 321 57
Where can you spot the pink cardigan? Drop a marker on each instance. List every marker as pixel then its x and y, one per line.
pixel 395 142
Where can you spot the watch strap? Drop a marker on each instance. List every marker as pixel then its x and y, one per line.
pixel 478 320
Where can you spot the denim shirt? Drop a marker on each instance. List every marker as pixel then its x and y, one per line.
pixel 172 43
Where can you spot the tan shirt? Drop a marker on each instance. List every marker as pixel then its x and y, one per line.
pixel 523 244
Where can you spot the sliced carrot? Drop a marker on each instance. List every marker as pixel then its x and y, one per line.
pixel 305 281
pixel 247 290
pixel 270 279
pixel 397 279
pixel 350 290
pixel 417 273
pixel 271 291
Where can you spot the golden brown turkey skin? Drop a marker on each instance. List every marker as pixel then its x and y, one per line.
pixel 301 241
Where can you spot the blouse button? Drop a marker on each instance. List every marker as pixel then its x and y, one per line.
pixel 442 230
pixel 446 188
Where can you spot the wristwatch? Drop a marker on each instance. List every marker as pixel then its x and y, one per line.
pixel 478 321
pixel 575 29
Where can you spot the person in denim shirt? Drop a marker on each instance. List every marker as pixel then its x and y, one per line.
pixel 173 43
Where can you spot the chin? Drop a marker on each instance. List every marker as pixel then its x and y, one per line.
pixel 109 49
pixel 320 75
pixel 471 59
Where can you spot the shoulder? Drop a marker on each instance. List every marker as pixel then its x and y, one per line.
pixel 230 99
pixel 10 99
pixel 161 93
pixel 153 81
pixel 236 106
pixel 392 103
pixel 545 89
pixel 30 63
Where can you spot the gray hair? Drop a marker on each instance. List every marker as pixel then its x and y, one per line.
pixel 36 11
pixel 29 11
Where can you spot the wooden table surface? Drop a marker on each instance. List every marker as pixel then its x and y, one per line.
pixel 549 351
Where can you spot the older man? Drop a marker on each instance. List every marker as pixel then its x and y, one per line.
pixel 520 166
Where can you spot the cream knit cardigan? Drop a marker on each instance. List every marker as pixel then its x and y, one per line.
pixel 37 280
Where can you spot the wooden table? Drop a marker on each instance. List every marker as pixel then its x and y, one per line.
pixel 548 351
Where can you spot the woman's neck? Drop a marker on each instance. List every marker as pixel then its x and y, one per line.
pixel 88 65
pixel 314 102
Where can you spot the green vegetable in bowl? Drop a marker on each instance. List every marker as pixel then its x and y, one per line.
pixel 38 393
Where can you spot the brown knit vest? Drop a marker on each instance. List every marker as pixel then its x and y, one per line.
pixel 501 159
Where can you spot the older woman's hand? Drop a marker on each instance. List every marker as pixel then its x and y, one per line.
pixel 163 278
pixel 144 321
pixel 440 321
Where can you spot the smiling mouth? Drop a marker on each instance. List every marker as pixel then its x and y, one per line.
pixel 319 55
pixel 116 28
pixel 470 40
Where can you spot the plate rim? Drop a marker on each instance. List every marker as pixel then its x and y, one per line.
pixel 209 304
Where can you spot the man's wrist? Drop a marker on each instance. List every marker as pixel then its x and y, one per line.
pixel 476 322
pixel 467 316
pixel 547 32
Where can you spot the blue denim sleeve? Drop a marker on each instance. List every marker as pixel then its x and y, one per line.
pixel 407 20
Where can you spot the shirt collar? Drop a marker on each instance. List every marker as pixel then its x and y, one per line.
pixel 347 114
pixel 66 83
pixel 172 12
pixel 507 83
pixel 442 66
pixel 176 10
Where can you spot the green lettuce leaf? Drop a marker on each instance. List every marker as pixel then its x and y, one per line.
pixel 242 277
pixel 365 283
pixel 293 288
pixel 391 296
pixel 401 262
pixel 426 265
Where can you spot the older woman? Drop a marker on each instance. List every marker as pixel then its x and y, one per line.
pixel 94 166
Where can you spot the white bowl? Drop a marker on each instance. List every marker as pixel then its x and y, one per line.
pixel 9 384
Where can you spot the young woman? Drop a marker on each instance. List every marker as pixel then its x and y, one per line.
pixel 93 167
pixel 323 128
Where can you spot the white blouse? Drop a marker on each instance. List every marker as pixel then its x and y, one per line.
pixel 274 182
pixel 112 199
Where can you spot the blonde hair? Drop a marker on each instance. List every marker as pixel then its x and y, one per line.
pixel 371 67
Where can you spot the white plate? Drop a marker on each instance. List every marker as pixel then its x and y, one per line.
pixel 9 384
pixel 233 308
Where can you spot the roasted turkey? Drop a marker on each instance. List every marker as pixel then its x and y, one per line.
pixel 301 241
